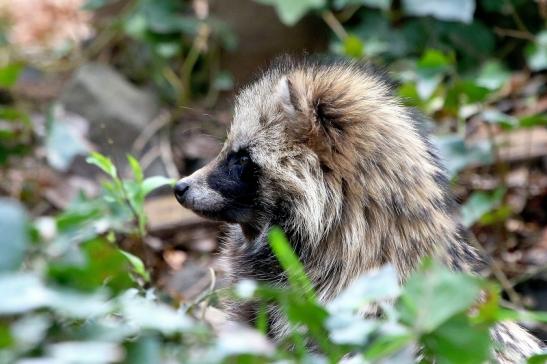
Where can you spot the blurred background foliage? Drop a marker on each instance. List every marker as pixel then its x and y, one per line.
pixel 87 268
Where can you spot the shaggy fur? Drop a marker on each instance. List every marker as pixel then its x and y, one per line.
pixel 342 166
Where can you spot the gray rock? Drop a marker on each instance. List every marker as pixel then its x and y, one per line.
pixel 117 110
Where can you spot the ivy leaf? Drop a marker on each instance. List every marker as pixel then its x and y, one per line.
pixel 479 204
pixel 492 75
pixel 428 297
pixel 64 141
pixel 353 47
pixel 14 237
pixel 379 4
pixel 291 11
pixel 9 74
pixel 459 10
pixel 537 52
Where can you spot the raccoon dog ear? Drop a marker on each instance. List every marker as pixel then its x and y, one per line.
pixel 286 94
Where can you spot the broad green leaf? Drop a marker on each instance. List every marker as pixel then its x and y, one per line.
pixel 349 329
pixel 380 4
pixel 430 70
pixel 493 75
pixel 495 116
pixel 428 297
pixel 459 10
pixel 223 81
pixel 94 4
pixel 353 47
pixel 290 11
pixel 137 264
pixel 30 330
pixel 9 74
pixel 151 315
pixel 152 183
pixel 537 53
pixel 14 237
pixel 22 292
pixel 85 352
pixel 387 345
pixel 63 142
pixel 290 262
pixel 103 265
pixel 457 154
pixel 104 163
pixel 6 338
pixel 446 342
pixel 480 203
pixel 136 168
pixel 378 285
pixel 538 359
pixel 145 350
pixel 533 120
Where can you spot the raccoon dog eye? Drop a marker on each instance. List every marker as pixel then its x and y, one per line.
pixel 240 165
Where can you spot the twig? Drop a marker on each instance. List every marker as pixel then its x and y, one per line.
pixel 497 271
pixel 163 118
pixel 519 34
pixel 166 154
pixel 516 17
pixel 150 157
pixel 334 24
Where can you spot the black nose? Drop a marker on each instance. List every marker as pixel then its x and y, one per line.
pixel 180 190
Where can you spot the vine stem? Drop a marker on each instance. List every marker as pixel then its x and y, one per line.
pixel 334 24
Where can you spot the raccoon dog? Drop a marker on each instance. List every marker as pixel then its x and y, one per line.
pixel 327 152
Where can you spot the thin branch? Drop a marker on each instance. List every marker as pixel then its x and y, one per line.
pixel 334 24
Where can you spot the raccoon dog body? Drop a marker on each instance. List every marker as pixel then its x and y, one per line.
pixel 329 154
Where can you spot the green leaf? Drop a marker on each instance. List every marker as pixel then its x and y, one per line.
pixel 6 339
pixel 353 47
pixel 386 345
pixel 137 264
pixel 493 75
pixel 537 359
pixel 22 292
pixel 458 155
pixel 290 262
pixel 428 297
pixel 149 315
pixel 104 163
pixel 445 344
pixel 14 236
pixel 459 10
pixel 93 5
pixel 380 4
pixel 349 329
pixel 152 183
pixel 495 116
pixel 103 265
pixel 533 120
pixel 431 69
pixel 85 352
pixel 145 350
pixel 381 284
pixel 290 11
pixel 537 52
pixel 9 74
pixel 63 142
pixel 136 168
pixel 480 203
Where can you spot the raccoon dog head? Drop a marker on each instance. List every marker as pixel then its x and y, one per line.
pixel 302 138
